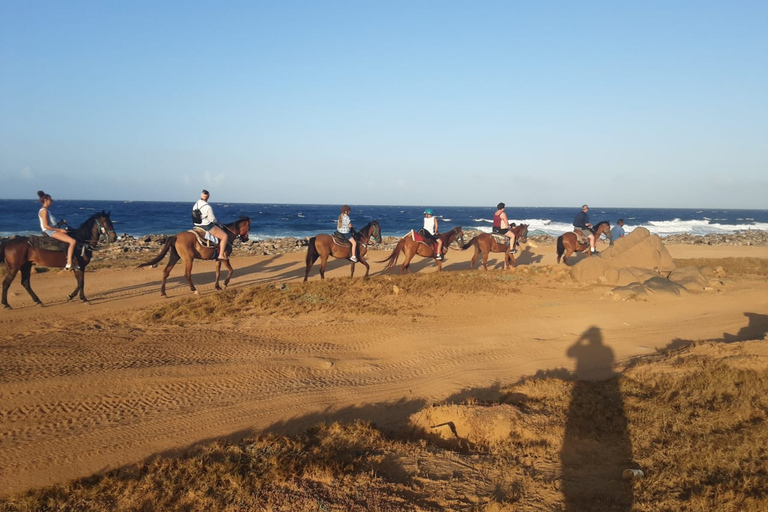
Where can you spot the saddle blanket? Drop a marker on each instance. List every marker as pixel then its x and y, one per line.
pixel 204 238
pixel 339 239
pixel 418 237
pixel 581 236
pixel 500 239
pixel 47 243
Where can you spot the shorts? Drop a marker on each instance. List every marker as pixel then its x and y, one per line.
pixel 499 231
pixel 347 236
pixel 48 232
pixel 206 227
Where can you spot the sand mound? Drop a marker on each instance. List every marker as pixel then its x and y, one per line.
pixel 465 426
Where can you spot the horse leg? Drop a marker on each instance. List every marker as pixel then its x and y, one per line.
pixel 362 260
pixel 172 260
pixel 230 271
pixel 80 277
pixel 9 276
pixel 406 264
pixel 26 272
pixel 474 258
pixel 485 258
pixel 188 274
pixel 323 263
pixel 218 273
pixel 311 259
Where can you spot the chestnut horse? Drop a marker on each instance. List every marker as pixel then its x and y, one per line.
pixel 19 254
pixel 486 243
pixel 322 246
pixel 185 246
pixel 568 243
pixel 408 246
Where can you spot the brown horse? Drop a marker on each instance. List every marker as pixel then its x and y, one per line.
pixel 410 248
pixel 322 246
pixel 568 243
pixel 19 254
pixel 186 246
pixel 486 243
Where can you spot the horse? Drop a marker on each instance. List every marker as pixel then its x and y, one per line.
pixel 324 245
pixel 568 243
pixel 410 248
pixel 18 253
pixel 186 246
pixel 486 243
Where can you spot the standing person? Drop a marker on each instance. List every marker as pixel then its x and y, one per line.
pixel 209 223
pixel 501 225
pixel 344 227
pixel 50 227
pixel 618 231
pixel 581 223
pixel 431 229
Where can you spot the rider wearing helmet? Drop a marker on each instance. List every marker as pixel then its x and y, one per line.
pixel 344 227
pixel 581 223
pixel 431 231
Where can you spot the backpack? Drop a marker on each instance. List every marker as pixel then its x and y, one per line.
pixel 197 216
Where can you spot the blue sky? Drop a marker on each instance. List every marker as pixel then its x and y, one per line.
pixel 539 103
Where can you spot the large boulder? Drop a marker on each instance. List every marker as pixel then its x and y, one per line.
pixel 633 258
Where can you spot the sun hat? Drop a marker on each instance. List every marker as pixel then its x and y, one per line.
pixel 428 211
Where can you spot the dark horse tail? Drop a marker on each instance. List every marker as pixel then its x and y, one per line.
pixel 312 253
pixel 395 254
pixel 2 252
pixel 168 244
pixel 469 244
pixel 560 247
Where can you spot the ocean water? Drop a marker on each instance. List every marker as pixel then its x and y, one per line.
pixel 140 218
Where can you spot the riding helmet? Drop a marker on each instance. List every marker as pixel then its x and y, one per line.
pixel 428 211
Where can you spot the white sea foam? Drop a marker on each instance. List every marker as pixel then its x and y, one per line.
pixel 661 228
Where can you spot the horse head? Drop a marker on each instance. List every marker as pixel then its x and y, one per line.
pixel 96 227
pixel 521 233
pixel 242 227
pixel 376 231
pixel 603 228
pixel 455 234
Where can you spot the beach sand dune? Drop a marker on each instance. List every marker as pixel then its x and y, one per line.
pixel 89 387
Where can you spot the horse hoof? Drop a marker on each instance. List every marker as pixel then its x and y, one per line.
pixel 6 306
pixel 196 292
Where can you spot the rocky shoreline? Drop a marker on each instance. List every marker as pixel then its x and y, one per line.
pixel 129 246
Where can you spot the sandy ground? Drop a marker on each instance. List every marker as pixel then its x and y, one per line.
pixel 90 387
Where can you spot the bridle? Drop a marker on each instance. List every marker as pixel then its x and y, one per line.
pixel 103 231
pixel 243 234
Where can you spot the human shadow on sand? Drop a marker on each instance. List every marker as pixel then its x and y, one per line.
pixel 596 446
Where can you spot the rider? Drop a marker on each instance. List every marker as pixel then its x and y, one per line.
pixel 431 231
pixel 344 227
pixel 210 224
pixel 50 227
pixel 501 225
pixel 581 223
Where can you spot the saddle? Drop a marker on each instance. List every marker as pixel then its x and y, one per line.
pixel 204 238
pixel 500 239
pixel 48 243
pixel 581 236
pixel 418 236
pixel 339 239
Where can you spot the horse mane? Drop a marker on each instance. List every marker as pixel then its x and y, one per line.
pixel 600 224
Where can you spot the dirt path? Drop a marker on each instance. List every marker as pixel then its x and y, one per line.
pixel 90 387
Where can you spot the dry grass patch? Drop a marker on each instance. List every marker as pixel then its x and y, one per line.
pixel 379 295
